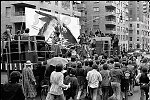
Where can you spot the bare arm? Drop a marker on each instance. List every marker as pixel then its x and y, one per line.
pixel 100 77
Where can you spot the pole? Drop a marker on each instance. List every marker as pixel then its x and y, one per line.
pixel 8 59
pixel 19 44
pixel 2 47
pixel 21 27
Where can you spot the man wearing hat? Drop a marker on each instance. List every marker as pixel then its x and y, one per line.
pixel 29 81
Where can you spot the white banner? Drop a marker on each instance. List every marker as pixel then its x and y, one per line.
pixel 35 21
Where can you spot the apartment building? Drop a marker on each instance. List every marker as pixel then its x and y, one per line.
pixel 13 12
pixel 81 7
pixel 139 25
pixel 110 17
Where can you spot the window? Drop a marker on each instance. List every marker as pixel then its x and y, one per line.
pixel 130 31
pixel 95 18
pixel 119 37
pixel 138 45
pixel 138 9
pixel 130 39
pixel 130 3
pixel 130 12
pixel 130 25
pixel 123 37
pixel 124 30
pixel 130 19
pixel 109 1
pixel 137 25
pixel 127 37
pixel 95 26
pixel 127 30
pixel 8 11
pixel 124 45
pixel 138 39
pixel 85 12
pixel 96 9
pixel 137 32
pixel 121 4
pixel 56 12
pixel 96 1
pixel 65 4
pixel 118 28
pixel 130 45
pixel 49 2
pixel 56 3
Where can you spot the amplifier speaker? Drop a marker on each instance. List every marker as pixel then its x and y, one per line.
pixel 99 47
pixel 37 38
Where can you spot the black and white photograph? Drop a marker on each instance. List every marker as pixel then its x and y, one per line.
pixel 75 50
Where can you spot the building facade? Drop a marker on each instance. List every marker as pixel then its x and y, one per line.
pixel 106 17
pixel 81 7
pixel 139 25
pixel 13 12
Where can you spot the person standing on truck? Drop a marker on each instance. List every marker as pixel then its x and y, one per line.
pixel 6 36
pixel 26 34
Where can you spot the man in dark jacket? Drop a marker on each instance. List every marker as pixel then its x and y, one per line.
pixel 125 80
pixel 81 78
pixel 116 74
pixel 71 78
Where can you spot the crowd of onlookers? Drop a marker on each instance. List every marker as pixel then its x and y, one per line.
pixel 110 78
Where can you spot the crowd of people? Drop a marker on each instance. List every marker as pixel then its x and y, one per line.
pixel 110 78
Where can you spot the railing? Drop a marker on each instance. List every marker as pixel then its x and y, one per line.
pixel 109 19
pixel 20 13
pixel 110 29
pixel 109 10
pixel 109 1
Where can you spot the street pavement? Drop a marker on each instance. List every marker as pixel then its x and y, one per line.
pixel 135 96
